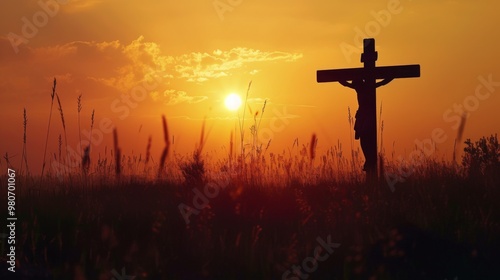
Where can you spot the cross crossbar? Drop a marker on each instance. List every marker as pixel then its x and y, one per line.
pixel 380 72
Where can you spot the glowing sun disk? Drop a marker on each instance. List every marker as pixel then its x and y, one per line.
pixel 233 102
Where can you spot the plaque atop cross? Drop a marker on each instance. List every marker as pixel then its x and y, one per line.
pixel 364 81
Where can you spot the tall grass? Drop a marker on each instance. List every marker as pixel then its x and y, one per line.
pixel 48 127
pixel 166 149
pixel 460 132
pixel 254 130
pixel 59 147
pixel 312 147
pixel 148 151
pixel 194 170
pixel 231 147
pixel 24 156
pixel 62 119
pixel 242 124
pixel 118 154
pixel 85 151
pixel 79 108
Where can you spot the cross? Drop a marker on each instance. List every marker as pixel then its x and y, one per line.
pixel 364 81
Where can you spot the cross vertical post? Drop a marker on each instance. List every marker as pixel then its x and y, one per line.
pixel 369 57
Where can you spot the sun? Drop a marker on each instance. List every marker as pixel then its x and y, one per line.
pixel 233 102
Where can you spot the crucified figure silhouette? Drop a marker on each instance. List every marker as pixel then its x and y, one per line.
pixel 364 81
pixel 363 115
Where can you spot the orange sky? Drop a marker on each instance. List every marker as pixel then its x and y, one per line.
pixel 181 58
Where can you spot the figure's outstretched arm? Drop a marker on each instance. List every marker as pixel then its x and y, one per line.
pixel 346 84
pixel 383 82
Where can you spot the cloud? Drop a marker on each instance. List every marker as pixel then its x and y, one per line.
pixel 89 66
pixel 142 60
pixel 123 66
pixel 200 67
pixel 74 6
pixel 112 63
pixel 174 97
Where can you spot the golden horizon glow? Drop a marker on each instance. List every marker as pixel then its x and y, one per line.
pixel 233 101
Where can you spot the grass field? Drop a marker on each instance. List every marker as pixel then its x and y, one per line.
pixel 258 220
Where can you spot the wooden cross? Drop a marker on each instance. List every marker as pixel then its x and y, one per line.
pixel 365 84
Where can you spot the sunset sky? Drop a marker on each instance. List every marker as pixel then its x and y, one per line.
pixel 133 61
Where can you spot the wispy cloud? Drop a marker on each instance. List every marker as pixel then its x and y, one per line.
pixel 200 67
pixel 174 97
pixel 74 6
